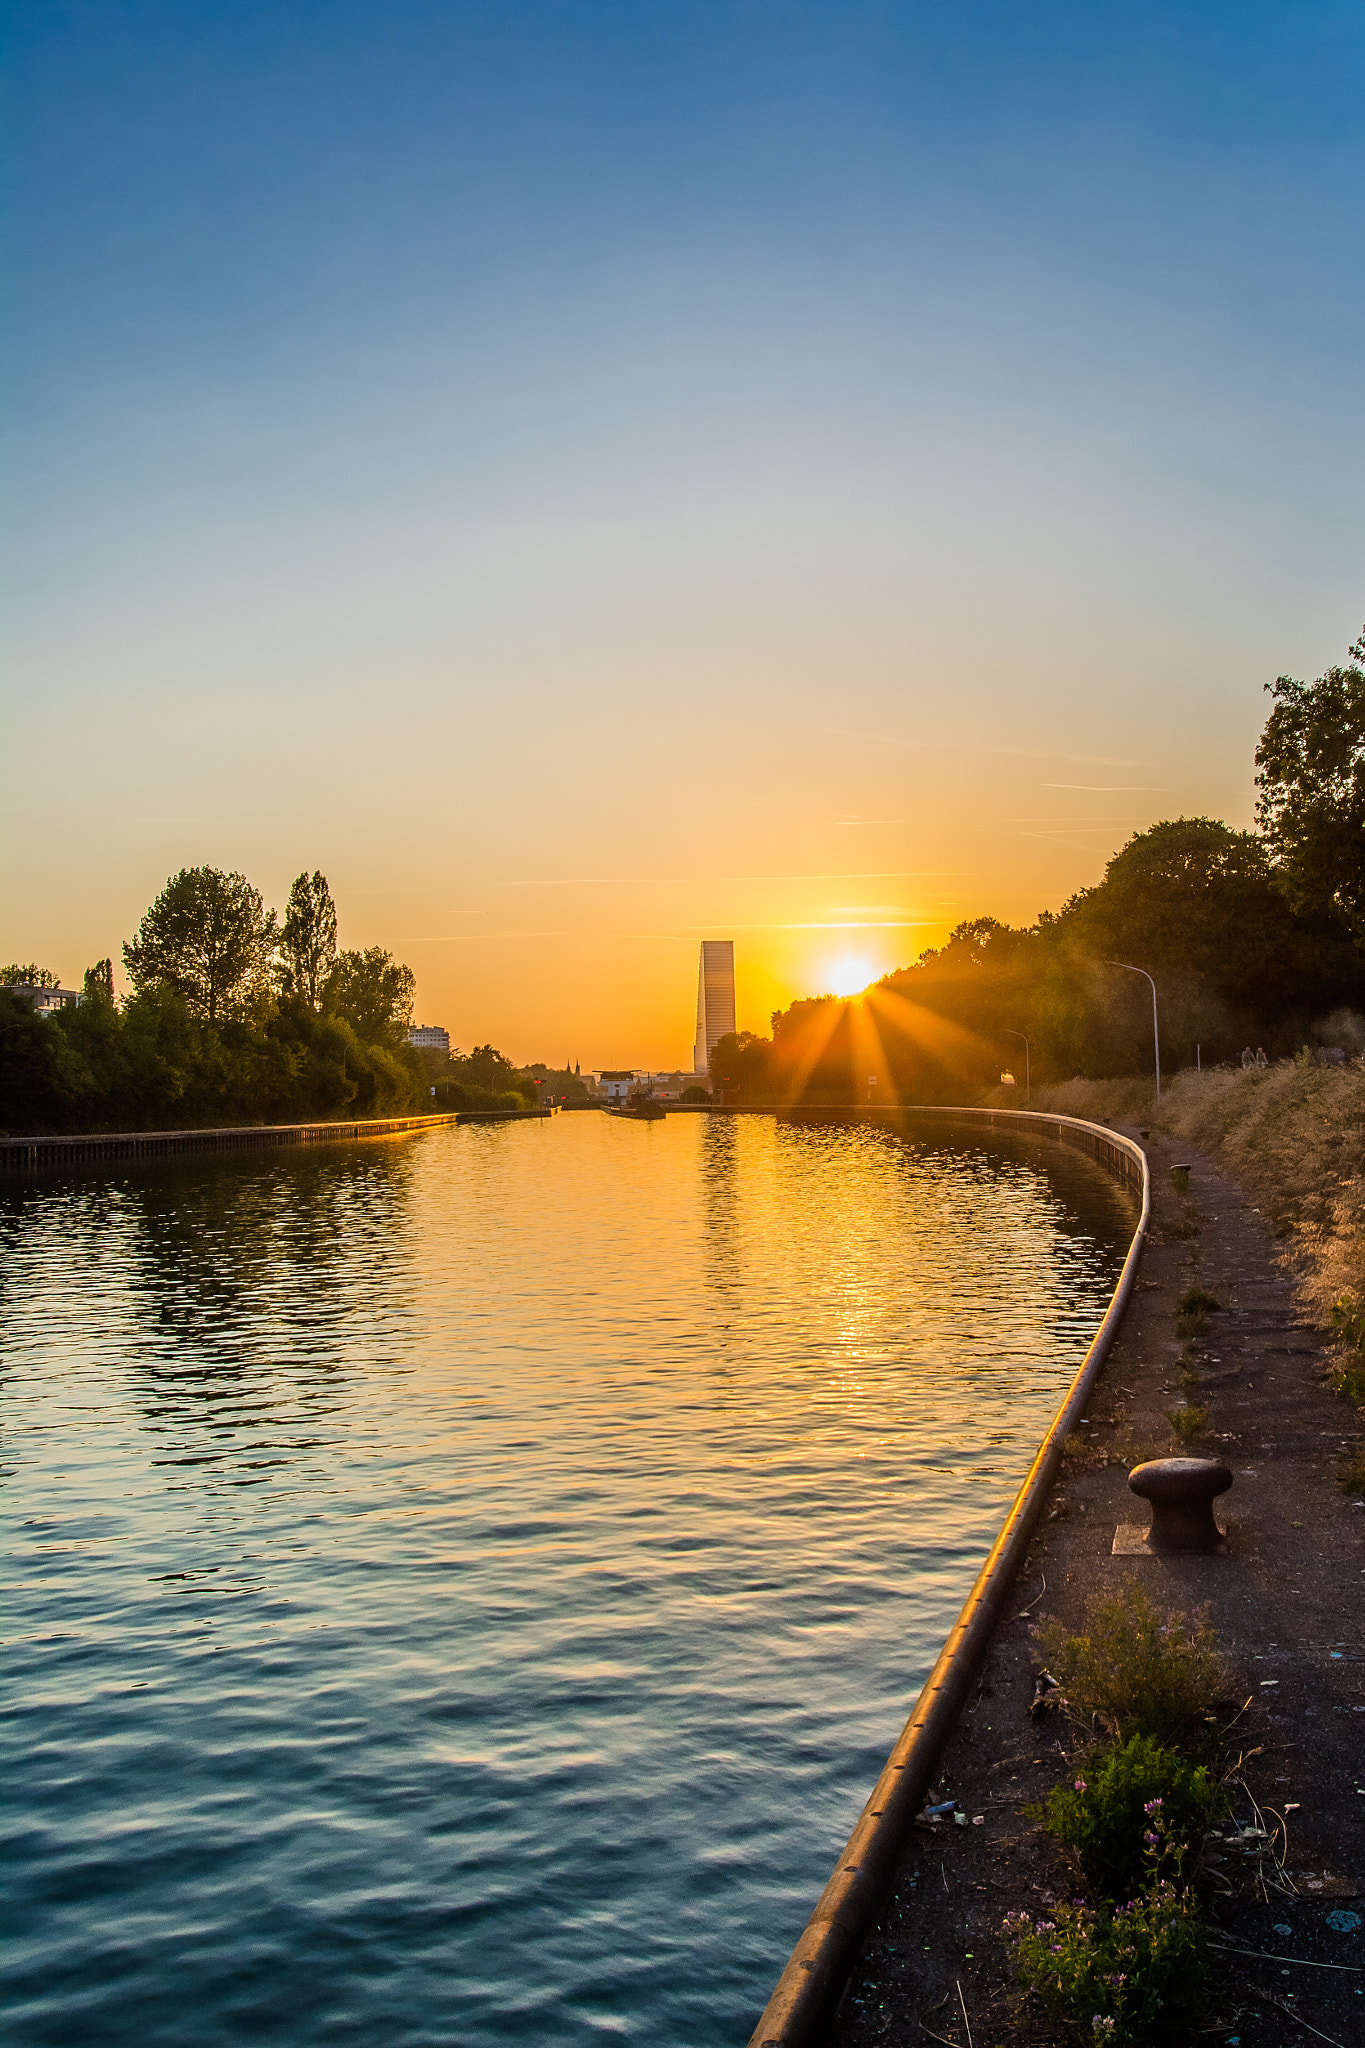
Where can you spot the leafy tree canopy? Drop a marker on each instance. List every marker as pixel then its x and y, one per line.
pixel 99 983
pixel 485 1067
pixel 374 992
pixel 1311 784
pixel 32 976
pixel 308 941
pixel 208 937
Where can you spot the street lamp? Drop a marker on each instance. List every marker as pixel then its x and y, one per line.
pixel 1156 1034
pixel 1028 1081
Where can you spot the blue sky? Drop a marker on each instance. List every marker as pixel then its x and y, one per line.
pixel 591 475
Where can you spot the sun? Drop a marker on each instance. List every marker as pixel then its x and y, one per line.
pixel 851 976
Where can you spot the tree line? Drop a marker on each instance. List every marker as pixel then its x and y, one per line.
pixel 234 1016
pixel 1253 938
pixel 238 1016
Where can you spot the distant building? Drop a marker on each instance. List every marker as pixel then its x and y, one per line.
pixel 670 1087
pixel 434 1037
pixel 47 1001
pixel 715 999
pixel 616 1083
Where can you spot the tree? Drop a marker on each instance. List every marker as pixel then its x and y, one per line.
pixel 485 1067
pixel 1311 802
pixel 374 992
pixel 208 937
pixel 99 983
pixel 743 1060
pixel 309 938
pixel 31 976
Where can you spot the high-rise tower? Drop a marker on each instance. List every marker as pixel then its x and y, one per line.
pixel 715 999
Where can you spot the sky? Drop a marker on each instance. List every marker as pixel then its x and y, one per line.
pixel 590 477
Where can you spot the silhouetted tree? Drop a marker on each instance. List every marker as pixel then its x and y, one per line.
pixel 1311 802
pixel 208 937
pixel 308 940
pixel 374 992
pixel 32 975
pixel 99 983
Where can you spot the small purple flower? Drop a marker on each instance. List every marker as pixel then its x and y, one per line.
pixel 1080 1785
pixel 1151 1806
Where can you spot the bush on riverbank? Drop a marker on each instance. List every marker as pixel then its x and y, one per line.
pixel 1131 1814
pixel 1127 1964
pixel 1124 1979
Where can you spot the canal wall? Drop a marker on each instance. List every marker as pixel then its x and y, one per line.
pixel 94 1148
pixel 799 2013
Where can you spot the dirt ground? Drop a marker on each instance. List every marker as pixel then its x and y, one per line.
pixel 1287 1599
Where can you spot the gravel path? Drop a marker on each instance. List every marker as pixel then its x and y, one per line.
pixel 1288 1602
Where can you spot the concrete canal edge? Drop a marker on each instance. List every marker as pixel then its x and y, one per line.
pixel 802 2005
pixel 34 1155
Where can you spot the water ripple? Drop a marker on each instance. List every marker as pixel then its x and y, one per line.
pixel 462 1591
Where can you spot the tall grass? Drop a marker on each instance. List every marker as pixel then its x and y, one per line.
pixel 1293 1135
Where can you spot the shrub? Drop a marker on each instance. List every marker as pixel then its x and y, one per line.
pixel 1349 1382
pixel 1349 1322
pixel 1193 1310
pixel 1133 1814
pixel 1123 1978
pixel 1137 1671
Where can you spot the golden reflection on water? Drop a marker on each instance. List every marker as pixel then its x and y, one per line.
pixel 464 1589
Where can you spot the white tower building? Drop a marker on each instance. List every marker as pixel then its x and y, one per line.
pixel 715 999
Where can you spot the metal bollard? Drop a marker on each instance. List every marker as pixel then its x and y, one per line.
pixel 1182 1492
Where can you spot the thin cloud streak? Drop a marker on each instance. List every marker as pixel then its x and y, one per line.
pixel 720 881
pixel 889 739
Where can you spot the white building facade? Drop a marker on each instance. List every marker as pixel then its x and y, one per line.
pixel 434 1036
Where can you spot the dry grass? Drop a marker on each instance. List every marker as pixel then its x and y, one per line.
pixel 1293 1136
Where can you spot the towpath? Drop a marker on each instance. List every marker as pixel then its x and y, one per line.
pixel 1288 1602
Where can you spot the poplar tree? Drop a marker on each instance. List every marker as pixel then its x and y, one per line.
pixel 308 941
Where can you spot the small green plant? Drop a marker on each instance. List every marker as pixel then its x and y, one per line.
pixel 1349 1322
pixel 1349 1382
pixel 1352 1474
pixel 1188 1423
pixel 1124 1979
pixel 1137 1670
pixel 1133 1814
pixel 1193 1310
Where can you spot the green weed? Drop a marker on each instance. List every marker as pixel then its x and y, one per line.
pixel 1188 1423
pixel 1193 1311
pixel 1123 1979
pixel 1137 1670
pixel 1133 1815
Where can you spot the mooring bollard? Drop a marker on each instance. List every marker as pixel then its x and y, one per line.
pixel 1182 1492
pixel 1180 1175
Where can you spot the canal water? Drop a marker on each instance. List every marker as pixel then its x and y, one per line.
pixel 462 1590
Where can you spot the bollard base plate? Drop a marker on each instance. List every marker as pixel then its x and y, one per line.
pixel 1130 1540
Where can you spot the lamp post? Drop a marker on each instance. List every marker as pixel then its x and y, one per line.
pixel 1156 1033
pixel 1028 1079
